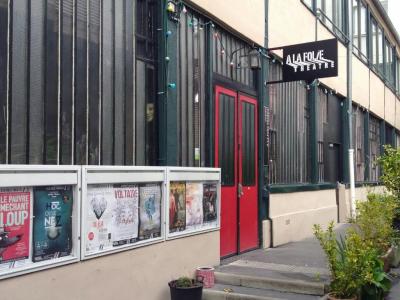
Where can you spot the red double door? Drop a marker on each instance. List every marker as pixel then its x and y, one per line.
pixel 236 155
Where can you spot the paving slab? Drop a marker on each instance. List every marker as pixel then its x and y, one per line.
pixel 228 292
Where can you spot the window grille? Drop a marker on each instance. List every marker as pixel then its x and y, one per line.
pixel 289 131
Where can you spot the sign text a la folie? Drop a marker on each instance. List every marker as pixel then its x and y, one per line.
pixel 309 61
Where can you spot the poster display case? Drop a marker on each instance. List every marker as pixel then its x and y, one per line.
pixel 39 217
pixel 193 201
pixel 122 208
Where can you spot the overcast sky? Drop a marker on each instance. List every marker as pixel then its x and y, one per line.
pixel 394 13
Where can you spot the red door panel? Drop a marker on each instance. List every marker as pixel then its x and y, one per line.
pixel 226 159
pixel 248 180
pixel 236 155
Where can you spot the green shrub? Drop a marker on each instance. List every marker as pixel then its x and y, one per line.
pixel 390 165
pixel 353 262
pixel 375 219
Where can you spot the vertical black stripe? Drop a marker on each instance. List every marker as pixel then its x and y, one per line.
pixel 107 83
pixel 3 78
pixel 80 82
pixel 66 82
pixel 189 99
pixel 119 83
pixel 37 83
pixel 51 90
pixel 202 97
pixel 140 112
pixel 129 100
pixel 184 88
pixel 94 87
pixel 19 88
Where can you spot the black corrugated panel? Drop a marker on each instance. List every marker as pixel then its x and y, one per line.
pixel 19 84
pixel 129 78
pixel 3 78
pixel 66 117
pixel 94 84
pixel 37 82
pixel 107 137
pixel 51 75
pixel 67 82
pixel 119 83
pixel 81 106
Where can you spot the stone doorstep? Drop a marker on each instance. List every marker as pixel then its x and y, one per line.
pixel 280 267
pixel 270 283
pixel 229 292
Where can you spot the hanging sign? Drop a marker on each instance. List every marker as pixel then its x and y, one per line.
pixel 309 61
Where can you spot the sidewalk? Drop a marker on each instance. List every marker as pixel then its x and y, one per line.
pixel 296 270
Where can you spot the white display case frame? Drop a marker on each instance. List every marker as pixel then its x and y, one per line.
pixel 189 174
pixel 98 175
pixel 30 176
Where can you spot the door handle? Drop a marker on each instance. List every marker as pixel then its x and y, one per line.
pixel 240 190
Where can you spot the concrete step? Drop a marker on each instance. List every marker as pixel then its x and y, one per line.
pixel 278 280
pixel 231 292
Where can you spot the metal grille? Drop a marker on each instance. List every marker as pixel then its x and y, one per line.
pixel 191 93
pixel 359 148
pixel 66 81
pixel 289 131
pixel 230 58
pixel 322 120
pixel 374 145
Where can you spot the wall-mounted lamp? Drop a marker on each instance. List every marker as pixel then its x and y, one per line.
pixel 254 59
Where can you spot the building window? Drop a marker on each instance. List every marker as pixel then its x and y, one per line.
pixel 389 64
pixel 380 51
pixel 374 148
pixel 398 75
pixel 359 148
pixel 333 15
pixel 374 44
pixel 363 39
pixel 289 131
pixel 397 139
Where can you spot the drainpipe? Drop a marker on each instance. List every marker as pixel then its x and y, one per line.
pixel 350 106
pixel 264 195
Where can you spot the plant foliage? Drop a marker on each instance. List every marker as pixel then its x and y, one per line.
pixel 354 263
pixel 375 219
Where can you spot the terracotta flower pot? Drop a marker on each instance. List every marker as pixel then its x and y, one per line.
pixel 387 259
pixel 331 296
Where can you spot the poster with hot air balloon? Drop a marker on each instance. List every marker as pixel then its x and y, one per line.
pixel 99 216
pixel 52 222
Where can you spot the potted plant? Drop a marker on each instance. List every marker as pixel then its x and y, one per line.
pixel 354 264
pixel 185 288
